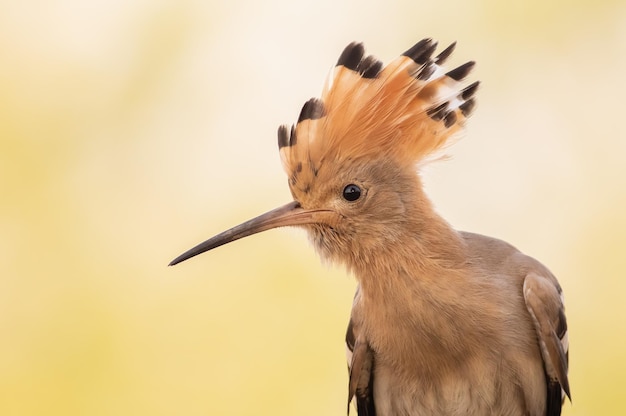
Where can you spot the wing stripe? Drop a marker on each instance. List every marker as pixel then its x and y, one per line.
pixel 543 299
pixel 361 367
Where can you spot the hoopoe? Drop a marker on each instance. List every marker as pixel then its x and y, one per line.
pixel 444 322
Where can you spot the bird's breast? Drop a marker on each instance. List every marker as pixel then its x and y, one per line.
pixel 446 353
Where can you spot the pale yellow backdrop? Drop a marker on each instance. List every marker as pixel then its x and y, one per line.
pixel 131 130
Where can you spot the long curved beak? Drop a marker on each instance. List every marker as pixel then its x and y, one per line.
pixel 290 214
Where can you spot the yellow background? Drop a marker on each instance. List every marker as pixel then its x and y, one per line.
pixel 130 131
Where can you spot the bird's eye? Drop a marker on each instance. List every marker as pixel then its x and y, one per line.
pixel 351 193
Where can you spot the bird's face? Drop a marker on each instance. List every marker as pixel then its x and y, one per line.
pixel 350 210
pixel 367 202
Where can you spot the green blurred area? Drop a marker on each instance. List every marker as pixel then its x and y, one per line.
pixel 130 131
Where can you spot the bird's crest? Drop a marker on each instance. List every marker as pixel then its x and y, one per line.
pixel 406 110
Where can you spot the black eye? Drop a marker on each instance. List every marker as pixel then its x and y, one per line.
pixel 351 192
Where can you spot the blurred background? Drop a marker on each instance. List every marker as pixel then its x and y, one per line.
pixel 132 130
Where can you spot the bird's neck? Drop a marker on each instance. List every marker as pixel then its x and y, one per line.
pixel 399 298
pixel 428 248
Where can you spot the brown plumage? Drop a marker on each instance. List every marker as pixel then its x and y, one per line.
pixel 443 322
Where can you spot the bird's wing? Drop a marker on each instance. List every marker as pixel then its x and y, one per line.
pixel 544 301
pixel 361 366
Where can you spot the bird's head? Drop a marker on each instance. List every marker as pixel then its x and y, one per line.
pixel 351 157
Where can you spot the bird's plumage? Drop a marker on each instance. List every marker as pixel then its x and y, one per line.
pixel 406 110
pixel 470 338
pixel 443 322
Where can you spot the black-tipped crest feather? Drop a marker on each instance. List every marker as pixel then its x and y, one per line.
pixel 469 91
pixel 312 110
pixel 426 71
pixel 462 71
pixel 352 56
pixel 292 136
pixel 374 70
pixel 283 136
pixel 370 67
pixel 449 119
pixel 445 54
pixel 467 107
pixel 421 51
pixel 438 113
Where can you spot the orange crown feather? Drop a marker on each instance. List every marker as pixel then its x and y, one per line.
pixel 405 111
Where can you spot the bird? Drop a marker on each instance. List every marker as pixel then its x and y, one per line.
pixel 443 322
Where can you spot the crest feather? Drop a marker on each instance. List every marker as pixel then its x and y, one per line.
pixel 406 110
